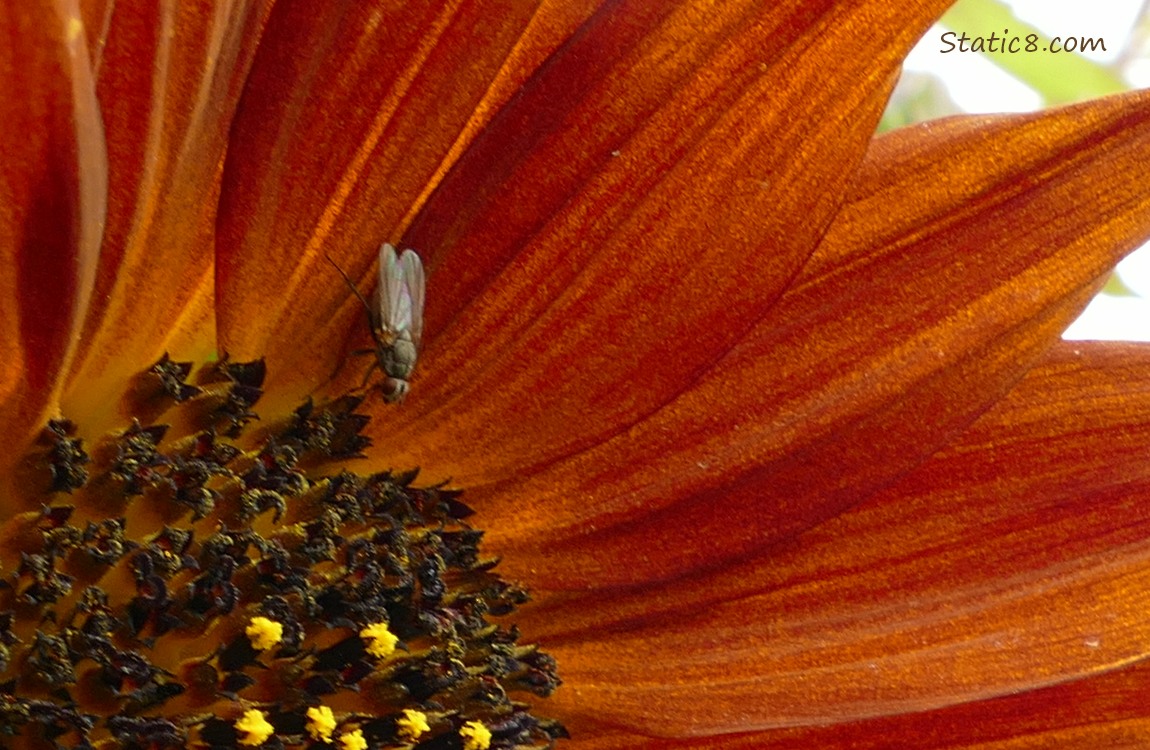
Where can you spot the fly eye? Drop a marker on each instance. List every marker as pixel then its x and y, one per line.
pixel 393 389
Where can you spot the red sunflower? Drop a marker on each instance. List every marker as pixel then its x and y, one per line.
pixel 772 418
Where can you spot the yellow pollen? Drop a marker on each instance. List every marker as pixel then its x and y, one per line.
pixel 352 741
pixel 320 723
pixel 381 641
pixel 264 633
pixel 255 727
pixel 274 616
pixel 475 736
pixel 412 725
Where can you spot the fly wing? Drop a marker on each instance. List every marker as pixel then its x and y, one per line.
pixel 394 309
pixel 401 292
pixel 412 270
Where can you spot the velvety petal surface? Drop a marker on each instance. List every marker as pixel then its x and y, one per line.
pixel 1106 710
pixel 333 149
pixel 169 78
pixel 1014 559
pixel 928 298
pixel 630 215
pixel 52 206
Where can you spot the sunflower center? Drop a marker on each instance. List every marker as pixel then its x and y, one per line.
pixel 199 583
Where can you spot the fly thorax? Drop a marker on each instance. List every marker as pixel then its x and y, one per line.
pixel 398 360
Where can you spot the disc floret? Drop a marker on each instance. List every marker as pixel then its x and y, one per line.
pixel 192 582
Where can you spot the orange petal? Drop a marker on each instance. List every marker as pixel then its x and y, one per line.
pixel 169 78
pixel 350 113
pixel 630 215
pixel 1104 711
pixel 927 300
pixel 1016 559
pixel 52 205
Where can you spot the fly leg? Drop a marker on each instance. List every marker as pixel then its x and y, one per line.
pixel 339 368
pixel 372 327
pixel 370 370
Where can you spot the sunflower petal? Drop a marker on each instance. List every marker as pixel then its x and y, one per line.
pixel 407 79
pixel 1103 711
pixel 630 216
pixel 926 301
pixel 1015 559
pixel 169 77
pixel 52 204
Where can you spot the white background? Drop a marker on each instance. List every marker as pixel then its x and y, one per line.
pixel 976 85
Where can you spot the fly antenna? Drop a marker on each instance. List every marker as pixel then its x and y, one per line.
pixel 355 290
pixel 350 284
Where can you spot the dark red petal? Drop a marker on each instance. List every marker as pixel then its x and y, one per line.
pixel 630 215
pixel 52 205
pixel 352 111
pixel 1013 560
pixel 169 77
pixel 966 249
